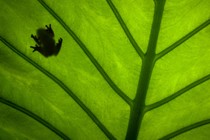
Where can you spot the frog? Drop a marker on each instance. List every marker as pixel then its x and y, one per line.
pixel 45 43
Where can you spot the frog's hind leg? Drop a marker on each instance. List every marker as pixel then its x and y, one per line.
pixel 58 46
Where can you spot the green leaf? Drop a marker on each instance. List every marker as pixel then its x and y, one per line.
pixel 126 70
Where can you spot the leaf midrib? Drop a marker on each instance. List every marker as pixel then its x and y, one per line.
pixel 138 108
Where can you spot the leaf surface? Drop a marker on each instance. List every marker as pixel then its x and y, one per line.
pixel 126 70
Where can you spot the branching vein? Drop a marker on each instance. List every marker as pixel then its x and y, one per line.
pixel 178 93
pixel 89 55
pixel 35 117
pixel 183 39
pixel 185 129
pixel 125 28
pixel 63 86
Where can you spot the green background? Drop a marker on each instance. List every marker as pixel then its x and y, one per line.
pixel 89 89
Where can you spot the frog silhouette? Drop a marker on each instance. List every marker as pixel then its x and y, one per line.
pixel 45 42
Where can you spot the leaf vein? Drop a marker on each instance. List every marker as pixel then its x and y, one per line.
pixel 182 40
pixel 35 117
pixel 88 54
pixel 185 129
pixel 125 29
pixel 63 86
pixel 178 93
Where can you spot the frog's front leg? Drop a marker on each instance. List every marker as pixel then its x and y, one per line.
pixel 49 30
pixel 36 48
pixel 35 39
